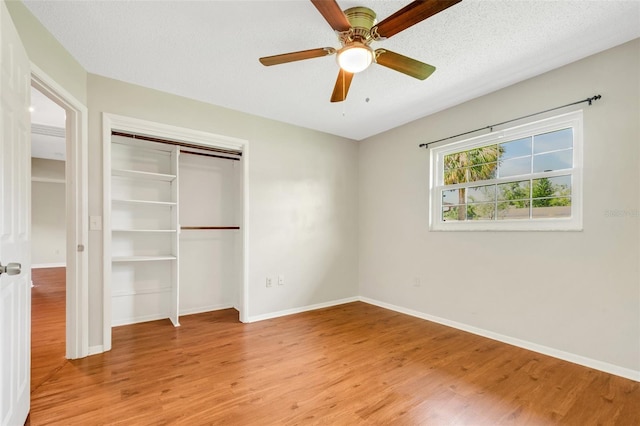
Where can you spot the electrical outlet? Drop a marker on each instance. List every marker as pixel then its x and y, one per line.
pixel 416 282
pixel 269 283
pixel 280 279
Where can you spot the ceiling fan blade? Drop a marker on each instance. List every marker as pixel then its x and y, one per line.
pixel 404 64
pixel 341 88
pixel 297 56
pixel 411 14
pixel 333 14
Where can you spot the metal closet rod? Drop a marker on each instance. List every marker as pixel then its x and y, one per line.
pixel 178 143
pixel 490 128
pixel 182 151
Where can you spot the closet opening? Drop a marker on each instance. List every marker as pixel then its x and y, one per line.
pixel 174 223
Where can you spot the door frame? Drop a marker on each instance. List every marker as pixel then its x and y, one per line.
pixel 77 207
pixel 160 130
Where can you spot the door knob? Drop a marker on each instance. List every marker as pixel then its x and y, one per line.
pixel 12 268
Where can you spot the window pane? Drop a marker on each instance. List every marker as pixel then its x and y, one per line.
pixel 472 157
pixel 551 161
pixel 518 166
pixel 514 190
pixel 481 211
pixel 485 154
pixel 452 196
pixel 482 172
pixel 451 161
pixel 517 148
pixel 551 207
pixel 478 194
pixel 514 209
pixel 559 186
pixel 453 213
pixel 560 139
pixel 453 176
pixel 470 166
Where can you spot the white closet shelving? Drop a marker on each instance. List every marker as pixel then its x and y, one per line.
pixel 144 231
pixel 159 269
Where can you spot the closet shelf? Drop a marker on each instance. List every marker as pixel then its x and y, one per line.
pixel 136 174
pixel 142 258
pixel 207 227
pixel 144 202
pixel 145 230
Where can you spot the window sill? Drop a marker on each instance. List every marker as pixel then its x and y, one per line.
pixel 502 226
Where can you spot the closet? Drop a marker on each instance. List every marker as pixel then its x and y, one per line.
pixel 175 240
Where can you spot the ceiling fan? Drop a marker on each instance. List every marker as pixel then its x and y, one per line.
pixel 357 29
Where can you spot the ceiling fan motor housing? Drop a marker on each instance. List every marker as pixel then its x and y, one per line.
pixel 361 20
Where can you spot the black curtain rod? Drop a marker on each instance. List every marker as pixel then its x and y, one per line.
pixel 490 128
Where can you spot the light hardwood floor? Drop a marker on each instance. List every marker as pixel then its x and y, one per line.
pixel 353 364
pixel 47 324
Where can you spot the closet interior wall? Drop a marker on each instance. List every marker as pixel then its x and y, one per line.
pixel 210 236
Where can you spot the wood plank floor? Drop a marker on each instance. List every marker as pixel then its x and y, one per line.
pixel 353 364
pixel 47 323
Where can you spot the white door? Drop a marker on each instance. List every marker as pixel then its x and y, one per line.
pixel 15 170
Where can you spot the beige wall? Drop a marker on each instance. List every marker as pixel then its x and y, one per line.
pixel 302 197
pixel 47 169
pixel 48 219
pixel 576 292
pixel 46 53
pixel 48 232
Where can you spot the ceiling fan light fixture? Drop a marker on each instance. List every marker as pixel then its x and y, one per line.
pixel 355 57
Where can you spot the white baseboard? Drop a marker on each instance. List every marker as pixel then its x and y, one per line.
pixel 301 309
pixel 545 350
pixel 204 309
pixel 49 265
pixel 94 350
pixel 135 320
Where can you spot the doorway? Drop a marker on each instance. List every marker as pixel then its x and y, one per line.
pixel 75 177
pixel 48 237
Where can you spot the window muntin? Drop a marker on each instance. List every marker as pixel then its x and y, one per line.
pixel 523 178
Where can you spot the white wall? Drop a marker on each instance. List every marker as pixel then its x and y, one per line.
pixel 48 219
pixel 302 198
pixel 576 292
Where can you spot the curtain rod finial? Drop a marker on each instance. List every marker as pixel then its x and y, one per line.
pixel 593 98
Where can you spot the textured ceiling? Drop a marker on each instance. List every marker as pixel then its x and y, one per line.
pixel 209 50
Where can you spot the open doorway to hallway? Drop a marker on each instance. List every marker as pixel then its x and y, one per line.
pixel 48 230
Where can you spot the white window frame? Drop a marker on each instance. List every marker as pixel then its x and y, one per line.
pixel 573 223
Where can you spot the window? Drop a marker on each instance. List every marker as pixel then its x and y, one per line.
pixel 524 178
